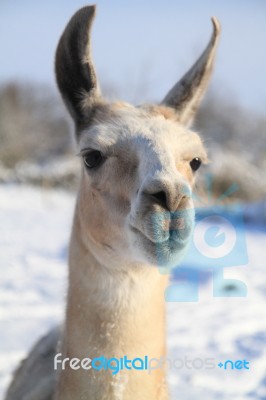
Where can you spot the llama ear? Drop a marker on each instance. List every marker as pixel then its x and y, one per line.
pixel 186 95
pixel 74 68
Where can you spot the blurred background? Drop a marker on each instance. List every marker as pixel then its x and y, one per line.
pixel 140 49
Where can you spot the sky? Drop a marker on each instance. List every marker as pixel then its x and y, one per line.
pixel 142 47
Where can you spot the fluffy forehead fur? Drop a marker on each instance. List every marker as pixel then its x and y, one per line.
pixel 133 132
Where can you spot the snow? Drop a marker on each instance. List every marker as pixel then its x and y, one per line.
pixel 34 232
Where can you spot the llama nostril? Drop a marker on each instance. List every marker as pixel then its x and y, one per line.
pixel 170 201
pixel 171 196
pixel 161 198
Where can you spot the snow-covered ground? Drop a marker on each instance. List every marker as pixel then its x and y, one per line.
pixel 34 232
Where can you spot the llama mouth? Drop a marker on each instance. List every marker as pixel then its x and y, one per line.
pixel 167 253
pixel 172 238
pixel 166 228
pixel 150 239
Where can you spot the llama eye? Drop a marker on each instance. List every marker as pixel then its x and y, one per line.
pixel 93 159
pixel 195 163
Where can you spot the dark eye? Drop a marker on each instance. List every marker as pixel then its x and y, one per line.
pixel 195 163
pixel 93 159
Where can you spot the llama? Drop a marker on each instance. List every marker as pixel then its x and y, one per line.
pixel 136 163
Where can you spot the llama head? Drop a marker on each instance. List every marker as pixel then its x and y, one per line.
pixel 138 163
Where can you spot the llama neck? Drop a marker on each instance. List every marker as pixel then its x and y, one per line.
pixel 112 314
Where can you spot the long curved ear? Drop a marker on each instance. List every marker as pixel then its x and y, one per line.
pixel 74 68
pixel 186 95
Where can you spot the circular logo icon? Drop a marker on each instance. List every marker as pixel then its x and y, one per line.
pixel 214 237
